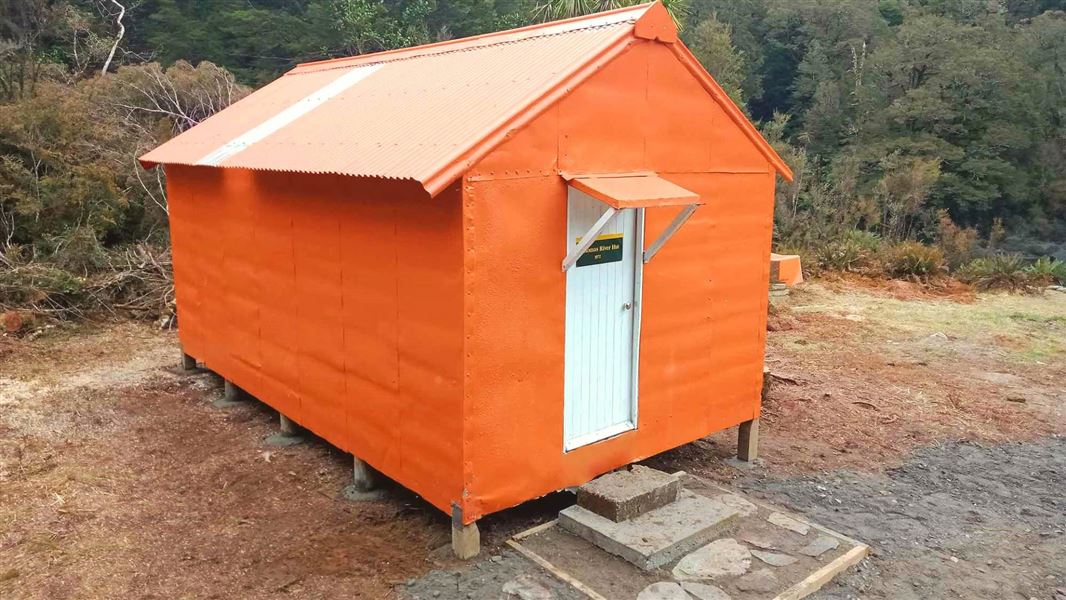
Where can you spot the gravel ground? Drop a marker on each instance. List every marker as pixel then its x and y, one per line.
pixel 507 575
pixel 957 520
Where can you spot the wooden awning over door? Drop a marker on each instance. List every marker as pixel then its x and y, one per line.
pixel 625 191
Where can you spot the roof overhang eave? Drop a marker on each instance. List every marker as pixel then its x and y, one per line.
pixel 732 110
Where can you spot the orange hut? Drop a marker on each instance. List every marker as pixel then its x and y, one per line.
pixel 489 268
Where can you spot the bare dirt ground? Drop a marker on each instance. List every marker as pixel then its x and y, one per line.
pixel 118 478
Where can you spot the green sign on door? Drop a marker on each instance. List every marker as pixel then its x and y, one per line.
pixel 606 249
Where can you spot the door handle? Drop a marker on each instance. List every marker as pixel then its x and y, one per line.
pixel 627 306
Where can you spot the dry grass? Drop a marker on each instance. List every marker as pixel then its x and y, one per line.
pixel 875 376
pixel 1026 328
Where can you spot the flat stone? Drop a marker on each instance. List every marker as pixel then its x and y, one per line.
pixel 774 559
pixel 788 523
pixel 353 494
pixel 743 506
pixel 656 537
pixel 627 493
pixel 720 558
pixel 526 587
pixel 663 590
pixel 760 541
pixel 702 591
pixel 761 581
pixel 742 465
pixel 820 546
pixel 282 440
pixel 225 402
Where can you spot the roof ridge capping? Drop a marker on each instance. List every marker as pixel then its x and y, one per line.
pixel 635 14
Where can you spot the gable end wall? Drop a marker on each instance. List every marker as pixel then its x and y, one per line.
pixel 705 293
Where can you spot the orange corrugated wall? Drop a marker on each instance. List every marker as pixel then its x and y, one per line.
pixel 337 301
pixel 704 294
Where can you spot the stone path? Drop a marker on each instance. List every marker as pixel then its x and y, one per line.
pixel 752 551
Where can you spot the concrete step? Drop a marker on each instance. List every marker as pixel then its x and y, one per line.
pixel 657 536
pixel 628 493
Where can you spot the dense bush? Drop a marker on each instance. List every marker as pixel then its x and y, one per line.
pixel 913 260
pixel 82 226
pixel 1046 271
pixel 856 252
pixel 959 244
pixel 997 272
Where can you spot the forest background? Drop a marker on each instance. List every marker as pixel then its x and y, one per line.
pixel 928 137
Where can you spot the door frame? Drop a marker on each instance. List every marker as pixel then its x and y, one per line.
pixel 638 310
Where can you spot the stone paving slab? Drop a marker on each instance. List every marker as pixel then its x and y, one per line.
pixel 655 537
pixel 748 556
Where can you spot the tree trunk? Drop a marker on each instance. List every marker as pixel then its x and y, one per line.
pixel 118 38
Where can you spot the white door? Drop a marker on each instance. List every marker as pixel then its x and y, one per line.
pixel 602 323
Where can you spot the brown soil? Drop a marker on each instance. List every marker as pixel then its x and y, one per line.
pixel 943 287
pixel 131 484
pixel 118 478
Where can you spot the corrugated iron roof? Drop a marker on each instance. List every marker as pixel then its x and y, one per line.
pixel 426 113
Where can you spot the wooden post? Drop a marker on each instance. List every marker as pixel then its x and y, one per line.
pixel 188 363
pixel 365 477
pixel 466 539
pixel 287 426
pixel 748 440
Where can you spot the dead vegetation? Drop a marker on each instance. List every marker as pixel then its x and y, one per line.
pixel 133 281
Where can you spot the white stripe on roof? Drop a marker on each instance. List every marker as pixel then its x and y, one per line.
pixel 288 115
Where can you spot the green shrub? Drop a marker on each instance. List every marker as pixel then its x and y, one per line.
pixel 913 260
pixel 867 240
pixel 997 272
pixel 1046 271
pixel 856 252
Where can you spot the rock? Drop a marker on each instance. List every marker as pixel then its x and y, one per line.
pixel 663 590
pixel 820 546
pixel 720 558
pixel 760 541
pixel 936 338
pixel 526 587
pixel 702 591
pixel 744 507
pixel 788 523
pixel 774 559
pixel 761 581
